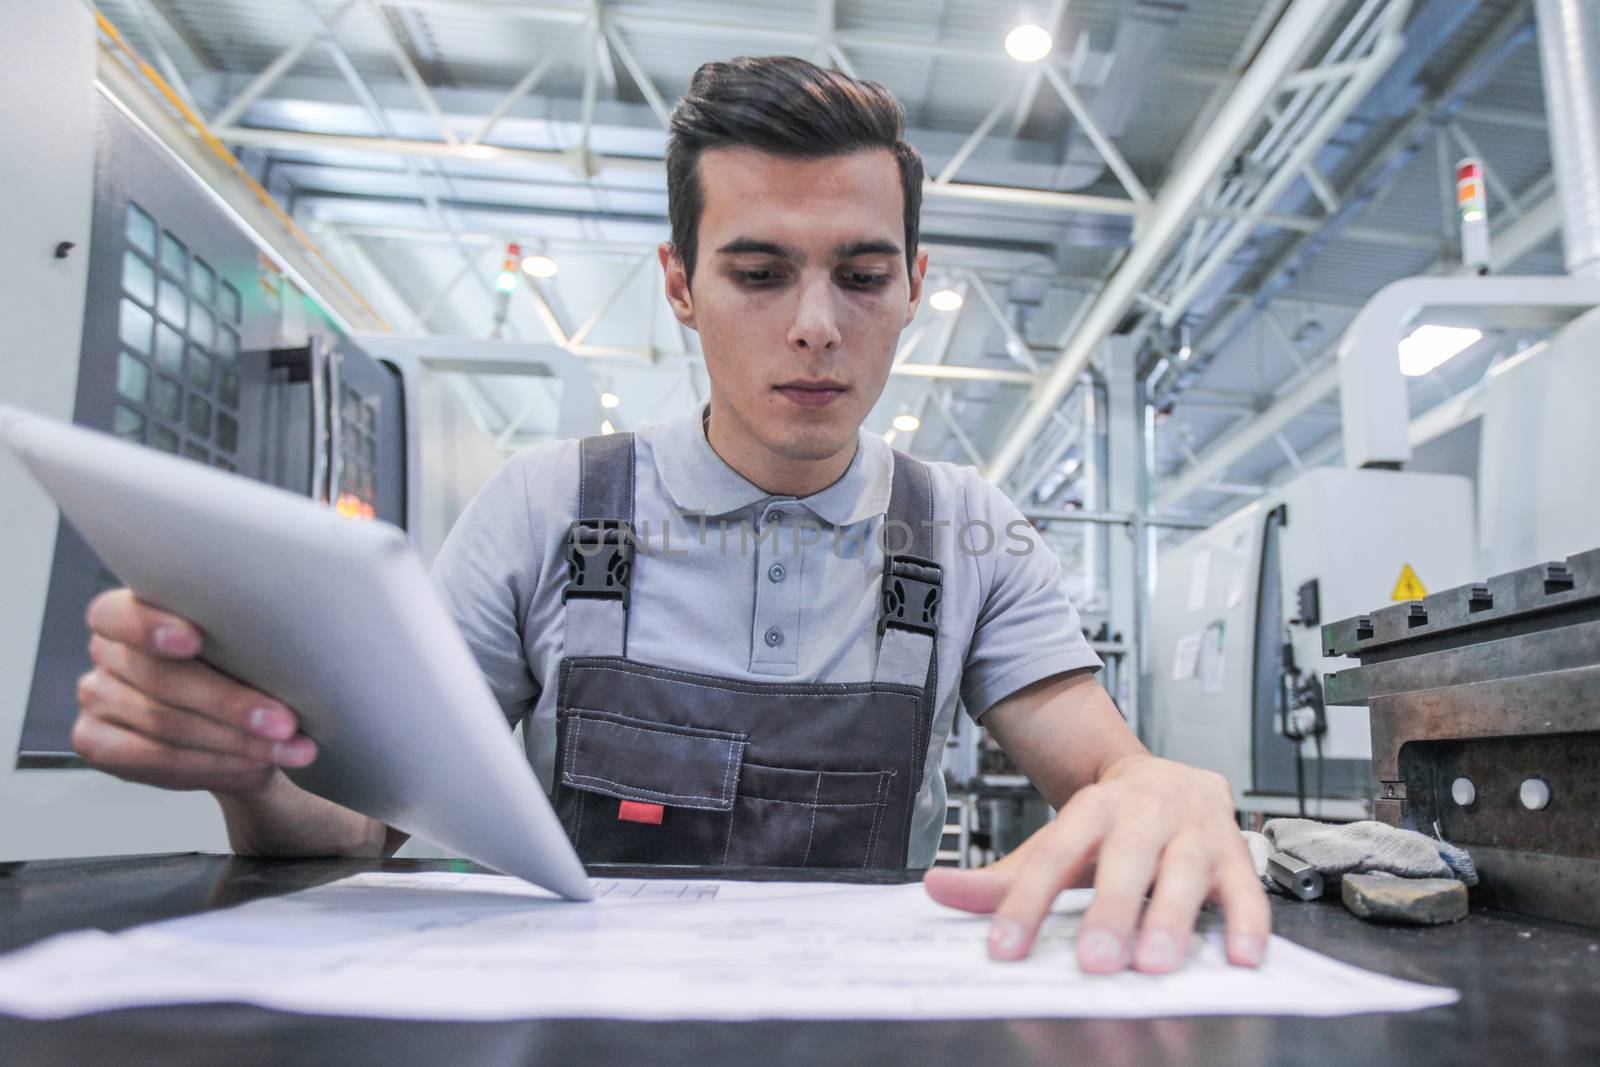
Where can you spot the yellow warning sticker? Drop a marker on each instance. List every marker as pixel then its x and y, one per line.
pixel 1408 586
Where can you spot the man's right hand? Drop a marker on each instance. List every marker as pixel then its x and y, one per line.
pixel 151 712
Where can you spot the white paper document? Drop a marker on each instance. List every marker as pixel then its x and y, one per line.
pixel 440 945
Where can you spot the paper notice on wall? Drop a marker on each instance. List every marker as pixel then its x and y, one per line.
pixel 439 945
pixel 1200 580
pixel 1186 657
pixel 1213 659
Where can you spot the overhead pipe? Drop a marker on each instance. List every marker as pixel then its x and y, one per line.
pixel 1387 48
pixel 1569 51
pixel 1301 26
pixel 1494 49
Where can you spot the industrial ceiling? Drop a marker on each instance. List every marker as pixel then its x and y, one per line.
pixel 414 138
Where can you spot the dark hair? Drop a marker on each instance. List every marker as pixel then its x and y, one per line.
pixel 789 107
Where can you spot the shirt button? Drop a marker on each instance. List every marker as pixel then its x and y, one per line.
pixel 775 515
pixel 774 637
pixel 776 572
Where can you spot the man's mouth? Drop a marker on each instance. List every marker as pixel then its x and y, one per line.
pixel 818 392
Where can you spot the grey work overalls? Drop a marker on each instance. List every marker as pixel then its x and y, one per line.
pixel 661 766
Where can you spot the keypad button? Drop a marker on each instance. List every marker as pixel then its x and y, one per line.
pixel 199 420
pixel 174 257
pixel 199 369
pixel 138 279
pixel 172 303
pixel 133 378
pixel 127 424
pixel 202 280
pixel 163 438
pixel 169 348
pixel 133 327
pixel 141 229
pixel 167 399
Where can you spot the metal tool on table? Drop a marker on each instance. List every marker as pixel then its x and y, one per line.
pixel 1296 875
pixel 1485 711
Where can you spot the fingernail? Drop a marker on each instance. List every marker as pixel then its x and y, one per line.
pixel 1157 951
pixel 1100 950
pixel 1247 951
pixel 272 723
pixel 1005 939
pixel 173 640
pixel 296 752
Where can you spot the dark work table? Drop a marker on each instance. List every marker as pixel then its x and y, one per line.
pixel 1530 991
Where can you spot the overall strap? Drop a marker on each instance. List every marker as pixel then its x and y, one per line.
pixel 600 548
pixel 909 609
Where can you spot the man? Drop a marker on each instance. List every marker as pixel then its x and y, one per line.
pixel 714 700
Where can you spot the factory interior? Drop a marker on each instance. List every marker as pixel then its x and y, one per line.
pixel 1277 321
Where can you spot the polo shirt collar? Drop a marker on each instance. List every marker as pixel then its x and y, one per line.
pixel 701 482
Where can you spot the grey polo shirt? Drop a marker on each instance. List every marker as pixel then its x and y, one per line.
pixel 733 581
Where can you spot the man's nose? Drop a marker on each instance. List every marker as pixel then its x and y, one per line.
pixel 815 326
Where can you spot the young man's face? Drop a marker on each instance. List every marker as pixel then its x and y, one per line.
pixel 800 292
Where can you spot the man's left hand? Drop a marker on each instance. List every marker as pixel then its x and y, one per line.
pixel 1146 823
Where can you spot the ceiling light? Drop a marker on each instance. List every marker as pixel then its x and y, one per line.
pixel 946 300
pixel 1029 43
pixel 606 427
pixel 540 267
pixel 609 400
pixel 907 423
pixel 1428 347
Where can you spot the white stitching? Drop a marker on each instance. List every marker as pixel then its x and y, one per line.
pixel 583 802
pixel 724 798
pixel 601 717
pixel 810 804
pixel 877 820
pixel 816 798
pixel 629 790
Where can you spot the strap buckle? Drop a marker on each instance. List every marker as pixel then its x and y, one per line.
pixel 911 593
pixel 599 559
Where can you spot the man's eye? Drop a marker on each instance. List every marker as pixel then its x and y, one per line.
pixel 755 277
pixel 865 280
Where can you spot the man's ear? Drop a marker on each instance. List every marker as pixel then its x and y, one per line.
pixel 919 274
pixel 679 298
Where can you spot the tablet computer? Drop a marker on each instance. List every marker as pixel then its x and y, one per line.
pixel 336 618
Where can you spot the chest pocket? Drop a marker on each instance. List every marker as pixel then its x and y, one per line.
pixel 716 807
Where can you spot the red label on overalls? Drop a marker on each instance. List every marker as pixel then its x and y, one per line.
pixel 634 811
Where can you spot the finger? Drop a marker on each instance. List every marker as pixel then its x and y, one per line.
pixel 120 616
pixel 104 696
pixel 1185 876
pixel 978 891
pixel 1060 855
pixel 193 685
pixel 1244 906
pixel 121 752
pixel 1127 866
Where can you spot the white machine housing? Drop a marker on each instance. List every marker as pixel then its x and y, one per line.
pixel 1351 530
